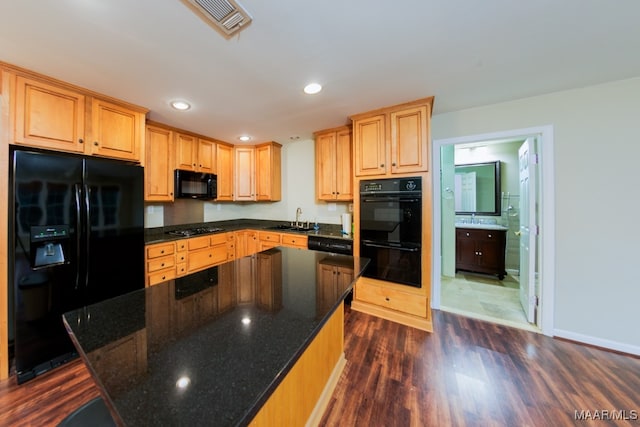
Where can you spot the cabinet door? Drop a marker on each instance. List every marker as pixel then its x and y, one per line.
pixel 326 166
pixel 369 146
pixel 158 170
pixel 327 290
pixel 245 174
pixel 268 172
pixel 186 152
pixel 409 140
pixel 343 166
pixel 48 116
pixel 206 156
pixel 116 132
pixel 465 249
pixel 224 160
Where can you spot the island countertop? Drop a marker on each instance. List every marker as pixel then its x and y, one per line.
pixel 211 346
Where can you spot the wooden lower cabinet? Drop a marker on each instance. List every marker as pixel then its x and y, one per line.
pixel 302 396
pixel 160 262
pixel 481 251
pixel 402 304
pixel 333 280
pixel 268 240
pixel 126 357
pixel 294 240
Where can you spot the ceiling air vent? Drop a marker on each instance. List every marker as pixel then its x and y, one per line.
pixel 226 16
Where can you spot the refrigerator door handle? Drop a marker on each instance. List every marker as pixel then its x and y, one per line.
pixel 87 212
pixel 78 196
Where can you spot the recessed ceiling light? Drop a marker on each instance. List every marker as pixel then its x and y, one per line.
pixel 312 88
pixel 180 105
pixel 244 138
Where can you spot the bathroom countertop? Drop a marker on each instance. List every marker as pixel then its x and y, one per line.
pixel 482 226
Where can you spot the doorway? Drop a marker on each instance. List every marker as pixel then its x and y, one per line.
pixel 444 231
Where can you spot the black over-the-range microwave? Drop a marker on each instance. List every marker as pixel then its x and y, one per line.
pixel 195 185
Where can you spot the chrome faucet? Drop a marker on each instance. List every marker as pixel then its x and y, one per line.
pixel 298 213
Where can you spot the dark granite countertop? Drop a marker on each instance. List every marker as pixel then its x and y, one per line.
pixel 159 234
pixel 230 333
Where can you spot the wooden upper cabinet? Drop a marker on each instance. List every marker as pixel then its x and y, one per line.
pixel 245 182
pixel 410 140
pixel 52 116
pixel 224 162
pixel 206 156
pixel 369 139
pixel 268 171
pixel 195 154
pixel 158 170
pixel 116 131
pixel 186 151
pixel 334 177
pixel 49 116
pixel 393 140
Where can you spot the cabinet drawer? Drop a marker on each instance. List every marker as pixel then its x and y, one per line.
pixel 181 269
pixel 200 259
pixel 181 257
pixel 160 263
pixel 406 303
pixel 162 249
pixel 218 239
pixel 181 245
pixel 266 236
pixel 198 243
pixel 294 240
pixel 161 276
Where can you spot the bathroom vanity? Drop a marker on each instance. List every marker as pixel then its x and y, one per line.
pixel 481 248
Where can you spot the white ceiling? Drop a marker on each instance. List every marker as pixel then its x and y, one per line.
pixel 366 53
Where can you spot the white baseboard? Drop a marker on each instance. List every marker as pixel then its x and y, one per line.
pixel 599 342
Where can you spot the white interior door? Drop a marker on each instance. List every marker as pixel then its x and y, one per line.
pixel 528 228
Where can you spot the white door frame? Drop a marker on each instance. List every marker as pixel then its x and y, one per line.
pixel 547 217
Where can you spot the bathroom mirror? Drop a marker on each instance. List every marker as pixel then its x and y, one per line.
pixel 477 188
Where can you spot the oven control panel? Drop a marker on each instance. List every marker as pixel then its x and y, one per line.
pixel 391 185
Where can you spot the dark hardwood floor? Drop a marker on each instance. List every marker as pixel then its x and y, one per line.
pixel 467 373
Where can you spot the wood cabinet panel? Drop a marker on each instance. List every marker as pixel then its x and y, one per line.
pixel 409 140
pixel 294 240
pixel 225 172
pixel 186 151
pixel 245 174
pixel 116 132
pixel 407 303
pixel 334 177
pixel 48 116
pixel 206 156
pixel 369 138
pixel 268 173
pixel 159 162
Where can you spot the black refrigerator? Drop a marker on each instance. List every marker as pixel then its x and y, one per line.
pixel 76 236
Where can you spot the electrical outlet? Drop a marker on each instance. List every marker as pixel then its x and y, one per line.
pixel 350 207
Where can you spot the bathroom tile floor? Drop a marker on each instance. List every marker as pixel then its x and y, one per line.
pixel 486 298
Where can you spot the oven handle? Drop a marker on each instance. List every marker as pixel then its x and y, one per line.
pixel 390 199
pixel 400 248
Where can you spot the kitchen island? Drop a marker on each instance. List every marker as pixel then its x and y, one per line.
pixel 258 340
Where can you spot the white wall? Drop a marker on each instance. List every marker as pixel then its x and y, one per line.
pixel 596 151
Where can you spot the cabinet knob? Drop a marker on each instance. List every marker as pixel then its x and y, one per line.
pixel 467 234
pixel 386 299
pixel 337 192
pixel 162 251
pixel 81 141
pixel 479 253
pixel 393 164
pixel 382 165
pixel 489 235
pixel 163 277
pixel 95 143
pixel 209 255
pixel 162 265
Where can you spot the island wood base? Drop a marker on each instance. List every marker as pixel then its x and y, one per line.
pixel 304 393
pixel 394 316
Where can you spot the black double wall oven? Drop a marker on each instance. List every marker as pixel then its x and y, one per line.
pixel 391 229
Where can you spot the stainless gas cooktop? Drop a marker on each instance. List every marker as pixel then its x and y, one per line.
pixel 194 231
